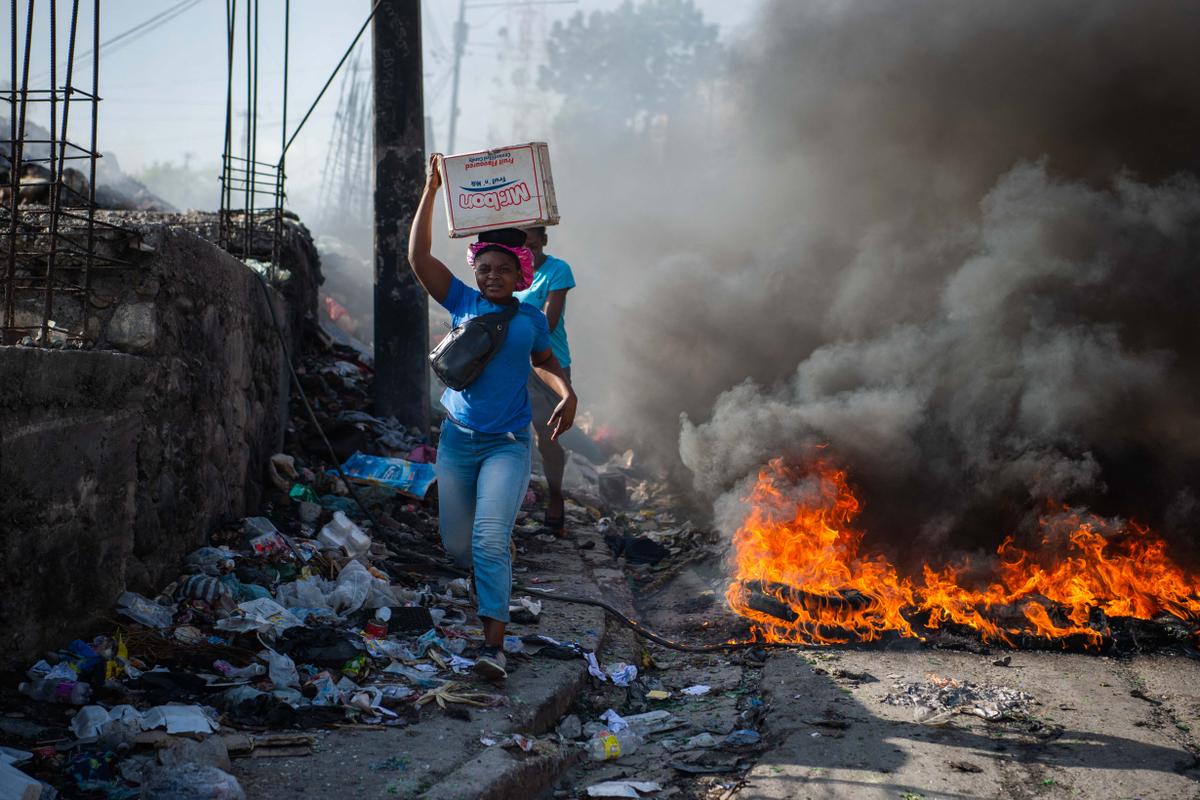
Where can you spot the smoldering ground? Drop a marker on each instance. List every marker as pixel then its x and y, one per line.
pixel 956 242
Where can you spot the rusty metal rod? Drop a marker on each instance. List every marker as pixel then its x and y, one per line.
pixel 57 177
pixel 90 255
pixel 15 163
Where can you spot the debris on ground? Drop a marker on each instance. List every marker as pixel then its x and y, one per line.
pixel 936 700
pixel 334 606
pixel 623 788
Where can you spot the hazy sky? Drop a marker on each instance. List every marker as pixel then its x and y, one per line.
pixel 164 92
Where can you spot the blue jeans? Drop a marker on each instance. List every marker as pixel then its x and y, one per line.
pixel 482 478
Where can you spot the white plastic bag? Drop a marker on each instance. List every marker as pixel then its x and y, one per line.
pixel 305 593
pixel 282 669
pixel 353 586
pixel 260 614
pixel 145 610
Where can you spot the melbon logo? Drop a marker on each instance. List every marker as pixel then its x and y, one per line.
pixel 495 197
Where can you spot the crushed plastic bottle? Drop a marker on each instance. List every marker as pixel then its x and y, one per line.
pixel 343 533
pixel 50 690
pixel 609 746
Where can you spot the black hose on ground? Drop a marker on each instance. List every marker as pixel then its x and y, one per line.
pixel 646 633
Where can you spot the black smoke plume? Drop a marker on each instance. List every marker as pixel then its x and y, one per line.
pixel 959 243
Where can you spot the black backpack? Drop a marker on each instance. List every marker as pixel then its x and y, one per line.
pixel 460 358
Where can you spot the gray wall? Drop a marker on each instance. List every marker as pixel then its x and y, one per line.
pixel 113 465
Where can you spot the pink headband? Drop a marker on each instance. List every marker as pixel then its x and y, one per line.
pixel 523 255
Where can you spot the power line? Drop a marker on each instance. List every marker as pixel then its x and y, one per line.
pixel 460 48
pixel 139 30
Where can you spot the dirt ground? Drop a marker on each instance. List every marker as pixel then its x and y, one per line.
pixel 1097 727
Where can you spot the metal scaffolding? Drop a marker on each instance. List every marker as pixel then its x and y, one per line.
pixel 257 186
pixel 48 213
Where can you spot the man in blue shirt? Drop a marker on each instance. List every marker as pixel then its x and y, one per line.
pixel 548 292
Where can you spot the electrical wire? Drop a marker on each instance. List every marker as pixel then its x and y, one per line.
pixel 136 32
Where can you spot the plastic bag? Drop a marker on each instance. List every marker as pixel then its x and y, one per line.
pixel 144 610
pixel 327 693
pixel 381 595
pixel 260 615
pixel 304 593
pixel 213 561
pixel 262 537
pixel 87 721
pixel 353 586
pixel 281 669
pixel 191 782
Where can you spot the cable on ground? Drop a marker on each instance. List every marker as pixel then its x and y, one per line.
pixel 646 633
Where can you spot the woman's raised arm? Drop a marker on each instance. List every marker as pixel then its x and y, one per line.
pixel 432 273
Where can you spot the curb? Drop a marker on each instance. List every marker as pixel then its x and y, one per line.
pixel 497 773
pixel 509 777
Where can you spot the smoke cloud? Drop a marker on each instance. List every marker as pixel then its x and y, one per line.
pixel 958 243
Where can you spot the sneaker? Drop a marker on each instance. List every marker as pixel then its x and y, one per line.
pixel 490 664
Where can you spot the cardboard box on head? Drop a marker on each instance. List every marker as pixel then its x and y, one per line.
pixel 505 187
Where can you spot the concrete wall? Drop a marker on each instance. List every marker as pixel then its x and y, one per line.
pixel 115 463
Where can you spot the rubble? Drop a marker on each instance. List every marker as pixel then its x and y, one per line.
pixel 936 700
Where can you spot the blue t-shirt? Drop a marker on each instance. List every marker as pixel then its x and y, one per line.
pixel 496 402
pixel 552 275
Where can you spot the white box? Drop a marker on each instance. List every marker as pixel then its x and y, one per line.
pixel 505 187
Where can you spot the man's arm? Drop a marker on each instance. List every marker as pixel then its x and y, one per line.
pixel 551 373
pixel 556 301
pixel 432 273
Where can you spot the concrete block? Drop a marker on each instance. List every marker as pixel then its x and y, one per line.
pixel 133 328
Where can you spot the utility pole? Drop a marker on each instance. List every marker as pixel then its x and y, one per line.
pixel 460 43
pixel 401 305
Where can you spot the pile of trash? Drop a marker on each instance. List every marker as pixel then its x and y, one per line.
pixel 671 741
pixel 264 629
pixel 936 700
pixel 315 614
pixel 309 616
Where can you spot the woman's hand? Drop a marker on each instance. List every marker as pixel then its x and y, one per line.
pixel 433 172
pixel 563 416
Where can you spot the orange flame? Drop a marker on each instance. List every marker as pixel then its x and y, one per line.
pixel 800 576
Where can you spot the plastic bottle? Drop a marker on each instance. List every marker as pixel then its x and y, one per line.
pixel 49 690
pixel 343 533
pixel 609 746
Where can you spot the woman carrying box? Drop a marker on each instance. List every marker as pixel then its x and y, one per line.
pixel 485 449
